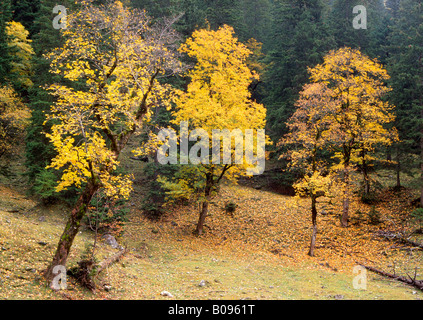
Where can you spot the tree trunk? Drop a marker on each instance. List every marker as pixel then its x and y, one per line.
pixel 346 200
pixel 205 205
pixel 314 221
pixel 366 179
pixel 71 230
pixel 398 169
pixel 203 214
pixel 388 154
pixel 421 165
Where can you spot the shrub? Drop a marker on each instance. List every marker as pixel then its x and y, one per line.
pixel 230 207
pixel 374 216
pixel 155 195
pixel 44 186
pixel 417 217
pixel 106 214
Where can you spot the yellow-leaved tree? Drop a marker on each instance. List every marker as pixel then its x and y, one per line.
pixel 113 57
pixel 22 53
pixel 14 117
pixel 358 123
pixel 218 107
pixel 341 113
pixel 309 130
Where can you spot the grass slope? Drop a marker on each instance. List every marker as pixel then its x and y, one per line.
pixel 258 253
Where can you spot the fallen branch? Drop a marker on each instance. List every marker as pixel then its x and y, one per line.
pixel 399 237
pixel 106 263
pixel 410 281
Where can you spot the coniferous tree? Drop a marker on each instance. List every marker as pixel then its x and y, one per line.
pixel 25 11
pixel 369 40
pixel 258 17
pixel 406 69
pixel 5 56
pixel 299 40
pixel 226 12
pixel 38 149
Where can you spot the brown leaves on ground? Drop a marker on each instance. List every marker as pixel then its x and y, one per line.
pixel 266 226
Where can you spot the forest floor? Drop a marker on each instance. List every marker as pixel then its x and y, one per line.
pixel 258 252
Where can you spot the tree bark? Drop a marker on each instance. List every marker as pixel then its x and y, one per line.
pixel 398 168
pixel 106 263
pixel 346 200
pixel 395 236
pixel 314 221
pixel 71 230
pixel 205 205
pixel 421 164
pixel 366 178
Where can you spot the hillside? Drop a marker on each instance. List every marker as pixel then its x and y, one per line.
pixel 259 252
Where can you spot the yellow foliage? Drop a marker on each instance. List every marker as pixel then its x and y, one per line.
pixel 14 117
pixel 22 52
pixel 217 98
pixel 118 84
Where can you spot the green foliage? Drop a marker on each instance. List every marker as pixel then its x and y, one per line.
pixel 155 195
pixel 106 214
pixel 300 39
pixel 38 150
pixel 230 207
pixel 257 15
pixel 417 218
pixel 25 11
pixel 5 54
pixel 44 186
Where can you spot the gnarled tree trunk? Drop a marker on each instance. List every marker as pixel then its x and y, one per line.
pixel 71 230
pixel 205 205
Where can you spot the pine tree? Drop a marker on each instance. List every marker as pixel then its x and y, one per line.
pixel 25 11
pixel 258 17
pixel 406 69
pixel 5 56
pixel 226 12
pixel 299 40
pixel 369 40
pixel 38 149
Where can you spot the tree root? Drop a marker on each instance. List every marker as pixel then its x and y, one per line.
pixel 87 270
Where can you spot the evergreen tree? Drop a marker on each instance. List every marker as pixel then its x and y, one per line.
pixel 258 17
pixel 25 11
pixel 5 56
pixel 369 40
pixel 299 40
pixel 406 70
pixel 39 151
pixel 226 12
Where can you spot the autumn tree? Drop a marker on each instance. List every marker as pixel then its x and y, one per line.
pixel 308 136
pixel 218 98
pixel 358 122
pixel 113 58
pixel 14 117
pixel 22 53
